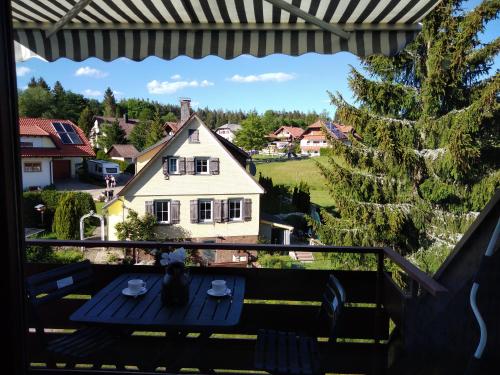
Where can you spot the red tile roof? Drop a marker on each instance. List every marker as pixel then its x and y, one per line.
pixel 293 130
pixel 124 151
pixel 43 127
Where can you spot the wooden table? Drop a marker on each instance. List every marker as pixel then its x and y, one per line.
pixel 203 312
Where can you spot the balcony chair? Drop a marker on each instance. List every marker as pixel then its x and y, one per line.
pixel 284 353
pixel 53 285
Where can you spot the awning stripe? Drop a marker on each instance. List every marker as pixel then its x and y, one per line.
pixel 108 45
pixel 108 29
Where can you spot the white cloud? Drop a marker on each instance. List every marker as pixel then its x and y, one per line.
pixel 93 93
pixel 90 72
pixel 165 87
pixel 117 93
pixel 22 71
pixel 265 77
pixel 176 77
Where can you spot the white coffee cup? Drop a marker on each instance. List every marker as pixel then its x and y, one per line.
pixel 136 285
pixel 219 286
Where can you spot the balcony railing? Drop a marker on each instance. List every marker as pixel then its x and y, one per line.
pixel 280 299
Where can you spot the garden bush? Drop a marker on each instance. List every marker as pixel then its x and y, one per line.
pixel 72 206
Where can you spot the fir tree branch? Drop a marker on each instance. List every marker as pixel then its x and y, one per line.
pixel 474 21
pixel 486 52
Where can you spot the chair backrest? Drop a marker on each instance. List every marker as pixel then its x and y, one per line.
pixel 334 298
pixel 58 282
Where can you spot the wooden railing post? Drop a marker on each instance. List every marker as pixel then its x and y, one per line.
pixel 379 361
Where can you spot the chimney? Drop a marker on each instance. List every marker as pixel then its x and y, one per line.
pixel 185 109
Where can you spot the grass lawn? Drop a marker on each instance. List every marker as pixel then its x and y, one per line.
pixel 291 172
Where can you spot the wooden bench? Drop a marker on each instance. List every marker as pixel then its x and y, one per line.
pixel 53 285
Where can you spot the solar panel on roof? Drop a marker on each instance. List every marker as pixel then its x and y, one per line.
pixel 67 133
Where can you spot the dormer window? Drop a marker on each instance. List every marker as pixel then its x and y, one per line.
pixel 194 136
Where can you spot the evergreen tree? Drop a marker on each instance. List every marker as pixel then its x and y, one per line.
pixel 155 132
pixel 85 120
pixel 42 84
pixel 32 83
pixel 109 103
pixel 138 135
pixel 66 224
pixel 429 121
pixel 112 134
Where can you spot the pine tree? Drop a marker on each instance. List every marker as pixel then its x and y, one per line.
pixel 156 132
pixel 112 134
pixel 429 121
pixel 109 103
pixel 85 120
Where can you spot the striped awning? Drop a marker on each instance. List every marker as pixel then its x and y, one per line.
pixel 136 29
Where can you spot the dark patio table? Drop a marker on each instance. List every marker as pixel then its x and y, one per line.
pixel 202 313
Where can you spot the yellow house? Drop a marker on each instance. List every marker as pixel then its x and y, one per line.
pixel 195 183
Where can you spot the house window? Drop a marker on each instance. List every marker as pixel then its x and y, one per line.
pixel 162 212
pixel 201 165
pixel 32 167
pixel 205 211
pixel 194 136
pixel 235 206
pixel 173 165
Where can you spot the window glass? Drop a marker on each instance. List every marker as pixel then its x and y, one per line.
pixel 205 208
pixel 172 167
pixel 32 167
pixel 235 209
pixel 201 166
pixel 162 211
pixel 111 170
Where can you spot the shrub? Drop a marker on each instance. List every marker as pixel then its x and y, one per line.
pixel 67 256
pixel 72 206
pixel 278 261
pixel 66 223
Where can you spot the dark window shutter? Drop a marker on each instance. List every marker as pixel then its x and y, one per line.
pixel 165 167
pixel 190 165
pixel 175 214
pixel 150 207
pixel 247 209
pixel 194 136
pixel 225 211
pixel 214 165
pixel 194 211
pixel 182 165
pixel 217 211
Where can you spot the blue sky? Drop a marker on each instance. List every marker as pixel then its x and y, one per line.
pixel 247 83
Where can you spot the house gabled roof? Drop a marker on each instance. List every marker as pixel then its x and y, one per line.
pixel 124 151
pixel 126 124
pixel 338 131
pixel 172 125
pixel 44 128
pixel 163 144
pixel 296 132
pixel 233 127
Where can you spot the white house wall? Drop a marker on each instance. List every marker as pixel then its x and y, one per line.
pixel 43 178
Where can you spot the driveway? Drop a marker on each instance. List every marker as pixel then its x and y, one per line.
pixel 93 189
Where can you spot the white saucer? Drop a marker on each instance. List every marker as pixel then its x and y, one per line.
pixel 213 294
pixel 127 292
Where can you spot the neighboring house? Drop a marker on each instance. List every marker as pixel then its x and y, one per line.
pixel 127 124
pixel 228 131
pixel 314 137
pixel 285 136
pixel 51 150
pixel 126 153
pixel 170 127
pixel 197 187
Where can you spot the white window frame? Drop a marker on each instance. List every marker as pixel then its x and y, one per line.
pixel 196 160
pixel 202 201
pixel 31 168
pixel 168 211
pixel 237 200
pixel 176 160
